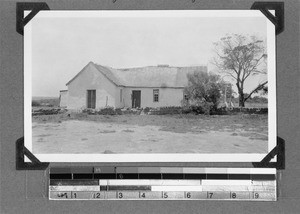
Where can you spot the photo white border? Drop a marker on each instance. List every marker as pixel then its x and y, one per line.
pixel 114 158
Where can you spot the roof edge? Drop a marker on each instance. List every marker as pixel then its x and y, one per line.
pixel 90 63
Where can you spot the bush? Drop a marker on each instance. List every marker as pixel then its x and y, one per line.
pixel 35 103
pixel 200 107
pixel 166 110
pixel 203 108
pixel 118 111
pixel 146 110
pixel 103 111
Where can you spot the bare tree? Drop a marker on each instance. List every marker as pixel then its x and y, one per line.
pixel 240 57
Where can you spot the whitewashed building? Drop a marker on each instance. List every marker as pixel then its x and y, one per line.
pixel 97 86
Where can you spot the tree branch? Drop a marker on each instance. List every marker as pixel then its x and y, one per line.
pixel 259 87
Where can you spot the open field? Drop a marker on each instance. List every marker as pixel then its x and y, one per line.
pixel 82 133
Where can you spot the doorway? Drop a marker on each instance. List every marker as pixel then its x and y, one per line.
pixel 136 99
pixel 91 99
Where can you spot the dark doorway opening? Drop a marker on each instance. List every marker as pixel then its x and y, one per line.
pixel 136 99
pixel 91 99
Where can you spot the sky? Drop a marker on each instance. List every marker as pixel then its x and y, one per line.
pixel 61 47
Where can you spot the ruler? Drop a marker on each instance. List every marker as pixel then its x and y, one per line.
pixel 162 183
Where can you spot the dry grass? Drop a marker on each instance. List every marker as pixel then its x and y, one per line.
pixel 253 126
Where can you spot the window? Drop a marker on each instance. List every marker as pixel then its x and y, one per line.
pixel 121 94
pixel 155 95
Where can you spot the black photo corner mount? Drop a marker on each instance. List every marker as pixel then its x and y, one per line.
pixel 279 151
pixel 34 7
pixel 278 19
pixel 21 152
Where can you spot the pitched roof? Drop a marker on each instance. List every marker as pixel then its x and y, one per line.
pixel 150 76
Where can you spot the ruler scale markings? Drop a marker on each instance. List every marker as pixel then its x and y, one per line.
pixel 239 195
pixel 128 195
pixel 218 195
pixel 150 195
pixel 172 195
pixel 74 188
pixel 163 183
pixel 195 195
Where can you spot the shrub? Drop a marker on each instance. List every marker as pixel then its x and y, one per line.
pixel 106 111
pixel 35 103
pixel 146 109
pixel 203 108
pixel 103 111
pixel 199 107
pixel 166 110
pixel 118 111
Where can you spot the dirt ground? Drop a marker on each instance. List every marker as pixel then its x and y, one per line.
pixel 82 133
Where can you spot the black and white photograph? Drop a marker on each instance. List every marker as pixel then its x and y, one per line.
pixel 150 86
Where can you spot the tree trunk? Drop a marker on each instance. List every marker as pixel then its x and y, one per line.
pixel 241 99
pixel 241 96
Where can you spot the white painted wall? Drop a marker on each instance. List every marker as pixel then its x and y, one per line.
pixel 167 97
pixel 91 79
pixel 120 101
pixel 63 98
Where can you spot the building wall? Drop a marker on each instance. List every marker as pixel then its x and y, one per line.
pixel 120 99
pixel 91 79
pixel 167 97
pixel 63 98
